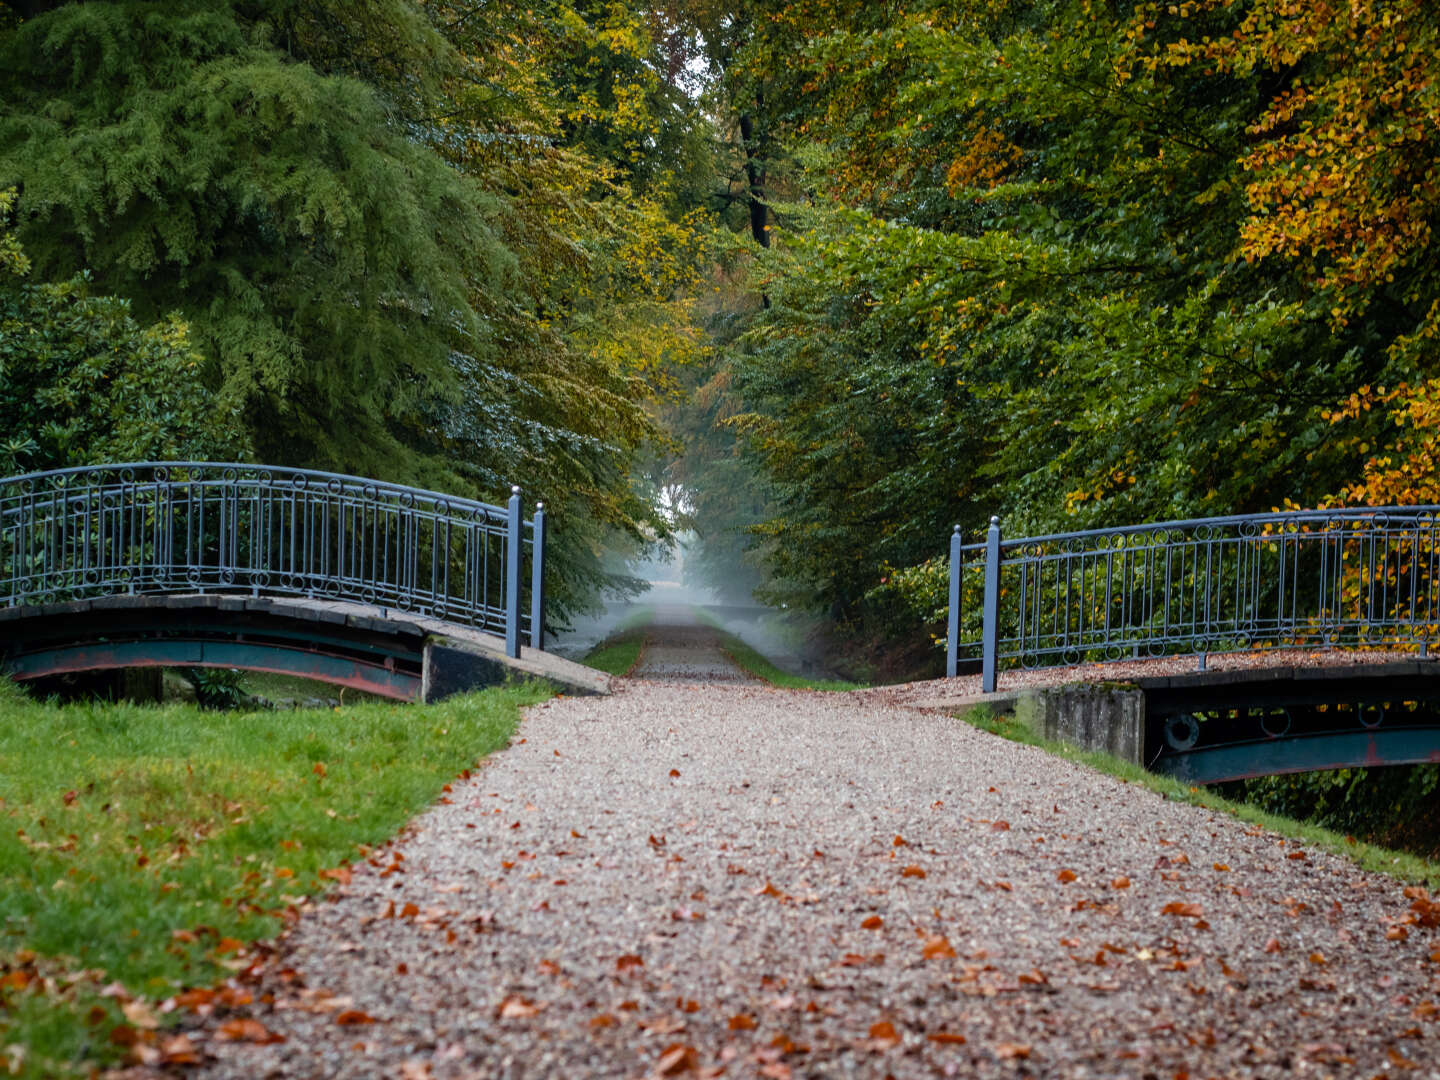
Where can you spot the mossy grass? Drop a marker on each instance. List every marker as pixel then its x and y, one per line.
pixel 1017 728
pixel 756 663
pixel 145 845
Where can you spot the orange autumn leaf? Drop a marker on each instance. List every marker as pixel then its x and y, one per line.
pixel 946 1038
pixel 883 1035
pixel 742 1022
pixel 874 922
pixel 353 1018
pixel 244 1029
pixel 628 962
pixel 1012 1051
pixel 1180 910
pixel 674 773
pixel 602 1020
pixel 516 1007
pixel 1120 883
pixel 938 947
pixel 1065 877
pixel 912 871
pixel 677 1059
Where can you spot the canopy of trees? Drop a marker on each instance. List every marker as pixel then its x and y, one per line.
pixel 840 275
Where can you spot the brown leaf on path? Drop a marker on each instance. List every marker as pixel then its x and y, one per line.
pixel 1002 885
pixel 768 890
pixel 1222 867
pixel 938 947
pixel 1065 877
pixel 1000 826
pixel 178 1050
pixel 245 1029
pixel 674 773
pixel 883 1035
pixel 1273 945
pixel 1012 1051
pixel 549 967
pixel 1036 977
pixel 353 1018
pixel 409 911
pixel 874 922
pixel 1396 933
pixel 1399 1060
pixel 912 871
pixel 1318 959
pixel 516 1007
pixel 342 874
pixel 657 841
pixel 946 1038
pixel 628 962
pixel 687 1005
pixel 415 1069
pixel 741 1022
pixel 602 1020
pixel 389 910
pixel 1120 883
pixel 1180 910
pixel 677 1059
pixel 899 841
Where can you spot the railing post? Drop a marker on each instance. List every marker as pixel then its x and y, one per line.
pixel 537 580
pixel 512 577
pixel 990 646
pixel 952 640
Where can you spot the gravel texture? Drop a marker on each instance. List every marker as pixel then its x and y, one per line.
pixel 702 872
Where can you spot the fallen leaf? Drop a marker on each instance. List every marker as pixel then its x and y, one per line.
pixel 1184 911
pixel 883 1035
pixel 1318 959
pixel 899 841
pixel 353 1018
pixel 674 773
pixel 938 947
pixel 1220 866
pixel 140 1015
pixel 912 871
pixel 516 1007
pixel 1396 933
pixel 742 1022
pixel 244 1029
pixel 1000 826
pixel 603 1020
pixel 628 961
pixel 1012 1051
pixel 874 922
pixel 1065 877
pixel 178 1050
pixel 341 874
pixel 946 1038
pixel 676 1059
pixel 1120 883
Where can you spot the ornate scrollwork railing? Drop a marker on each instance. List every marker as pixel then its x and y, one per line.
pixel 1361 577
pixel 175 527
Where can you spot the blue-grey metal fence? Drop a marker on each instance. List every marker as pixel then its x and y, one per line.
pixel 168 527
pixel 1358 577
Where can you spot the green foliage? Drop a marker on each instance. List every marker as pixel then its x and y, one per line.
pixel 81 381
pixel 410 239
pixel 1393 806
pixel 1018 269
pixel 197 827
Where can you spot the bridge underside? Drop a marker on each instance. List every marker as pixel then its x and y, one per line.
pixel 1219 726
pixel 378 656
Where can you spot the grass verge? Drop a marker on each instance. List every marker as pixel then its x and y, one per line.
pixel 143 847
pixel 1399 864
pixel 620 652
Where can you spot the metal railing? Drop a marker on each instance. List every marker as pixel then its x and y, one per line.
pixel 171 527
pixel 1361 577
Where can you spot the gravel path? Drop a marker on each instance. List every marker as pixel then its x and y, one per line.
pixel 701 872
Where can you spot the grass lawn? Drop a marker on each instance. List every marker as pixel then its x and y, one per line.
pixel 143 847
pixel 1371 857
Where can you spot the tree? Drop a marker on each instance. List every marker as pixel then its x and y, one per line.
pixel 81 381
